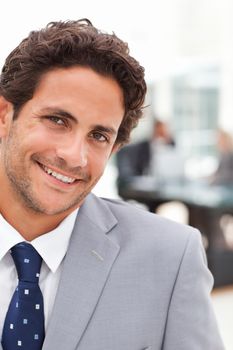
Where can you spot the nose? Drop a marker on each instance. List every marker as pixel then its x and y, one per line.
pixel 74 151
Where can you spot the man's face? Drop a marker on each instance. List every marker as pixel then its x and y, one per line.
pixel 56 150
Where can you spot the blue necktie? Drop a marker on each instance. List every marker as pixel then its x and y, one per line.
pixel 24 323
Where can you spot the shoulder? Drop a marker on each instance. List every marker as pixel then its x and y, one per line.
pixel 140 233
pixel 147 241
pixel 160 245
pixel 148 227
pixel 130 214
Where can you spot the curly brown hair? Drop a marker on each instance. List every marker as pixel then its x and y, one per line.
pixel 67 43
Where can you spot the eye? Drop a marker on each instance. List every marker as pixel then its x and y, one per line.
pixel 99 137
pixel 56 120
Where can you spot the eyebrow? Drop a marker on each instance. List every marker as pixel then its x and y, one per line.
pixel 106 129
pixel 61 112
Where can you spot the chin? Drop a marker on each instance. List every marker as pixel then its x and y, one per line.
pixel 52 208
pixel 57 210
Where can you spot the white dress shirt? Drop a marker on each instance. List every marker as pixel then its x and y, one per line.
pixel 52 246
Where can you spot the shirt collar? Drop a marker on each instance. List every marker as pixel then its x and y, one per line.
pixel 52 246
pixel 8 237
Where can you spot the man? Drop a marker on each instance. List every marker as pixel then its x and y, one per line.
pixel 209 219
pixel 112 277
pixel 223 175
pixel 137 159
pixel 149 161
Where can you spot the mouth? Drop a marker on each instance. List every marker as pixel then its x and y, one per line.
pixel 56 175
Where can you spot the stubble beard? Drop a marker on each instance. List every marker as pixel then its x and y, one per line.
pixel 25 194
pixel 22 188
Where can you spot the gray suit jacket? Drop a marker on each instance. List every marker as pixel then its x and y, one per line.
pixel 132 281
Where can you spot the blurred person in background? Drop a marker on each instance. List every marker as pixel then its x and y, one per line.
pixel 112 276
pixel 206 219
pixel 224 173
pixel 138 158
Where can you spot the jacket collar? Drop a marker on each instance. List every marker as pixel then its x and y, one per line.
pixel 86 268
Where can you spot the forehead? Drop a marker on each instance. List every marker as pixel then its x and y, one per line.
pixel 80 87
pixel 79 79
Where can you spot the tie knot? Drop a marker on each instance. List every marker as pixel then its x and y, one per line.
pixel 27 262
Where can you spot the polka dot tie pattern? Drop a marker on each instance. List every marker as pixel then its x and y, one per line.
pixel 24 323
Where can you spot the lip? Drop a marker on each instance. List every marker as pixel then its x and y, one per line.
pixel 56 170
pixel 58 183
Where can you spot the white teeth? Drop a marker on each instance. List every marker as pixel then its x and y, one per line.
pixel 58 176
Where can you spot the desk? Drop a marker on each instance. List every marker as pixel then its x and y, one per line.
pixel 148 191
pixel 206 204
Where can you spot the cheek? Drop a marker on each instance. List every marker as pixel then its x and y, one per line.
pixel 37 142
pixel 36 133
pixel 98 161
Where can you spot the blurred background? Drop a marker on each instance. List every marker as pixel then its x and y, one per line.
pixel 186 49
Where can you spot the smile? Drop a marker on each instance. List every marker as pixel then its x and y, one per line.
pixel 58 176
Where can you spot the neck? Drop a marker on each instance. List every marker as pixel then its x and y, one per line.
pixel 28 223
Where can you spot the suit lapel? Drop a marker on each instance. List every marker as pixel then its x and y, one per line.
pixel 85 270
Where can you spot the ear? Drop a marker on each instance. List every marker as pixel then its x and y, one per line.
pixel 6 116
